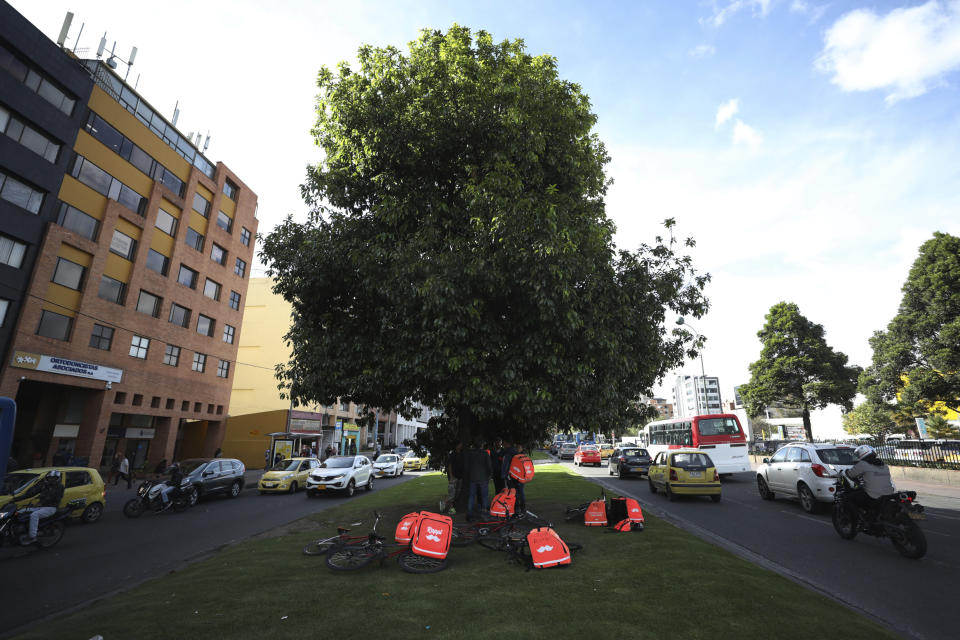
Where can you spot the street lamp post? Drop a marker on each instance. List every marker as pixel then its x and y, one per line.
pixel 703 371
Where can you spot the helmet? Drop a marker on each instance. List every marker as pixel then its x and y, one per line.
pixel 863 451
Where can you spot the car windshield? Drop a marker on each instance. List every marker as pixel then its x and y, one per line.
pixel 339 462
pixel 387 458
pixel 837 456
pixel 632 453
pixel 688 460
pixel 287 465
pixel 718 427
pixel 411 454
pixel 591 447
pixel 189 466
pixel 14 482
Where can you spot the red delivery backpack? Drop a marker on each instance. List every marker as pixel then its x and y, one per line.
pixel 406 527
pixel 521 468
pixel 432 535
pixel 628 525
pixel 596 514
pixel 547 549
pixel 504 504
pixel 625 509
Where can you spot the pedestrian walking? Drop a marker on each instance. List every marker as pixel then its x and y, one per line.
pixel 508 454
pixel 454 468
pixel 114 468
pixel 266 460
pixel 124 471
pixel 376 452
pixel 478 470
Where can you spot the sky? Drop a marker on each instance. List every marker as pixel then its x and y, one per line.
pixel 808 147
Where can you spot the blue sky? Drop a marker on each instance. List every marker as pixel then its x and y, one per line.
pixel 809 147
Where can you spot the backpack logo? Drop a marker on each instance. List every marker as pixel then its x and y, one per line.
pixel 634 510
pixel 433 537
pixel 545 547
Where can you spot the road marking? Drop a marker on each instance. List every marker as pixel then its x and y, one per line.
pixel 743 504
pixel 798 515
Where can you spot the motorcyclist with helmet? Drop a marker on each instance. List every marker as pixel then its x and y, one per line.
pixel 50 490
pixel 173 484
pixel 874 476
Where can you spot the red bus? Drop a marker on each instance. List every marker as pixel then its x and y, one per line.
pixel 718 434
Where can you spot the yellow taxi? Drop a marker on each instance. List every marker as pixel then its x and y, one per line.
pixel 606 449
pixel 287 476
pixel 684 472
pixel 82 489
pixel 412 461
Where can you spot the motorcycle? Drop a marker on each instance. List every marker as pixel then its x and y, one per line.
pixel 15 523
pixel 894 517
pixel 149 499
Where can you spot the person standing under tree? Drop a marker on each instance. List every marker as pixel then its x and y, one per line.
pixel 478 470
pixel 454 477
pixel 508 454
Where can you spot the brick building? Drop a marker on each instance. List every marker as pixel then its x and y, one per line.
pixel 123 334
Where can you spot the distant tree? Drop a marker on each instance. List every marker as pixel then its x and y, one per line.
pixel 761 427
pixel 458 251
pixel 797 367
pixel 917 358
pixel 938 427
pixel 869 418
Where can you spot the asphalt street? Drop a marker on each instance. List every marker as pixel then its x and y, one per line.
pixel 116 553
pixel 909 596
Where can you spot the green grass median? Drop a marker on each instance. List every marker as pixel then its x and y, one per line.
pixel 658 583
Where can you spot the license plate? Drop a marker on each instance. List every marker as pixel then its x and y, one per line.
pixel 917 516
pixel 321 486
pixel 695 474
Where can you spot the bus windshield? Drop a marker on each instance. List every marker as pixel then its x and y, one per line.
pixel 718 427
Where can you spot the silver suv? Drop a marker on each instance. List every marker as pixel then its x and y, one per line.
pixel 805 471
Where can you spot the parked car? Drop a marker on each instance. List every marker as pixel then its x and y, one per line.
pixel 628 461
pixel 388 465
pixel 79 484
pixel 805 471
pixel 212 476
pixel 287 476
pixel 684 472
pixel 606 449
pixel 412 461
pixel 567 450
pixel 587 454
pixel 341 473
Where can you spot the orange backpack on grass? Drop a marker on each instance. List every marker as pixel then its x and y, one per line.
pixel 406 527
pixel 624 508
pixel 521 468
pixel 547 549
pixel 432 535
pixel 504 504
pixel 596 514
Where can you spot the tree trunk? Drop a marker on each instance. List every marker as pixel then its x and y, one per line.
pixel 467 427
pixel 807 427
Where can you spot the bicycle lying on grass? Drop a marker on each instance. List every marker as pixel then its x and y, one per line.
pixel 322 546
pixel 514 543
pixel 357 553
pixel 492 527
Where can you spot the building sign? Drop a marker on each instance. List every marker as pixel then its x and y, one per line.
pixel 299 424
pixel 137 433
pixel 51 364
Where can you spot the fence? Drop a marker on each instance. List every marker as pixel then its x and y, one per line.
pixel 922 453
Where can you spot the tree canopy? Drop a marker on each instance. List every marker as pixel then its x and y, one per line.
pixel 797 367
pixel 870 418
pixel 458 251
pixel 917 358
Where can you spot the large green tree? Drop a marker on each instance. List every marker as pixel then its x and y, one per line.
pixel 917 358
pixel 458 251
pixel 870 418
pixel 797 367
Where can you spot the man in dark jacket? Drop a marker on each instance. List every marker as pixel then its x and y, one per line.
pixel 478 469
pixel 50 490
pixel 454 469
pixel 496 459
pixel 173 485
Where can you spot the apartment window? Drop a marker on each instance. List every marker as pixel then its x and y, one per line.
pixel 155 402
pixel 234 300
pixel 112 290
pixel 245 236
pixel 158 262
pixel 211 289
pixel 219 409
pixel 187 277
pixel 118 398
pixel 179 315
pixel 230 190
pixel 35 82
pixel 199 362
pixel 79 222
pixel 185 405
pixel 205 325
pixel 344 406
pixel 223 371
pixel 194 239
pixel 218 254
pixel 20 194
pixel 197 407
pixel 123 245
pixel 201 205
pixel 224 221
pixel 54 325
pixel 104 183
pixel 240 268
pixel 139 346
pixel 228 333
pixel 68 273
pixel 171 356
pixel 137 399
pixel 29 137
pixel 149 304
pixel 122 146
pixel 4 306
pixel 11 252
pixel 166 223
pixel 170 402
pixel 101 337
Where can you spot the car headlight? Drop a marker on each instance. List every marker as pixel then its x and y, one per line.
pixel 288 476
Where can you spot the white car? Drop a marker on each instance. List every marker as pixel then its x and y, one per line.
pixel 805 471
pixel 341 473
pixel 388 465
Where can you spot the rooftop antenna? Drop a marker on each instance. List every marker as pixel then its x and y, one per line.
pixel 80 33
pixel 103 45
pixel 176 113
pixel 207 142
pixel 133 56
pixel 65 29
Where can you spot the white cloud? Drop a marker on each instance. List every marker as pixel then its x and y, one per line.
pixel 813 11
pixel 745 134
pixel 720 15
pixel 702 51
pixel 903 52
pixel 726 111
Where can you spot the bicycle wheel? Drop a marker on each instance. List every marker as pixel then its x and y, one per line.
pixel 494 543
pixel 319 547
pixel 412 563
pixel 350 557
pixel 463 535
